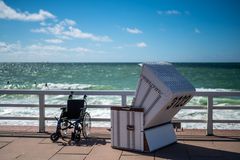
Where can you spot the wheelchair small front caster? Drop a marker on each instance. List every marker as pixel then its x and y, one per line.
pixel 75 137
pixel 72 136
pixel 54 136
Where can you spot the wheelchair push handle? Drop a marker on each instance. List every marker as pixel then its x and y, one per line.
pixel 70 95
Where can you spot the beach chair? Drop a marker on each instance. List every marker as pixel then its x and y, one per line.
pixel 74 117
pixel 146 125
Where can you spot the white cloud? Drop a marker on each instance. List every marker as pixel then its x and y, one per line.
pixel 196 30
pixel 65 29
pixel 133 31
pixel 77 33
pixel 43 23
pixel 44 48
pixel 5 47
pixel 39 49
pixel 169 12
pixel 7 12
pixel 39 30
pixel 70 22
pixel 54 41
pixel 173 12
pixel 55 49
pixel 80 50
pixel 141 45
pixel 118 47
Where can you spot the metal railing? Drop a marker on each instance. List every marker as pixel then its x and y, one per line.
pixel 123 95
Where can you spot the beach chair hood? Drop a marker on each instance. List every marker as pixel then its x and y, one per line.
pixel 161 91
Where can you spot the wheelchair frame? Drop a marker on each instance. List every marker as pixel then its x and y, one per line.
pixel 81 124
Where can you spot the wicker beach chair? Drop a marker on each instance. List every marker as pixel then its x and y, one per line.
pixel 146 126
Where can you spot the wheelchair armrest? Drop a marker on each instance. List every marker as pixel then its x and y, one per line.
pixel 84 109
pixel 63 108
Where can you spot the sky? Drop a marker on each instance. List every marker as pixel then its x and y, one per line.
pixel 119 30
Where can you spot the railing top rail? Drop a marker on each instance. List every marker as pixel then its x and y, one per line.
pixel 217 93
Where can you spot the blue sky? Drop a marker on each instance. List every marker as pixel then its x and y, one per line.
pixel 119 31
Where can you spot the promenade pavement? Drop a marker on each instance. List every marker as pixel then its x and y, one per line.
pixel 191 145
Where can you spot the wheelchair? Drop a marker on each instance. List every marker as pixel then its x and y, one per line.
pixel 73 117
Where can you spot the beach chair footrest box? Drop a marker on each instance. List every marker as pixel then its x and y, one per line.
pixel 127 131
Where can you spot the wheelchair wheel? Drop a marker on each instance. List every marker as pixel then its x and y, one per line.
pixel 76 134
pixel 86 125
pixel 77 137
pixel 54 137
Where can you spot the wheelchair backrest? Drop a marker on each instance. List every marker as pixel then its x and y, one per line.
pixel 74 108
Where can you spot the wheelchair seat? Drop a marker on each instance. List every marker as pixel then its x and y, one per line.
pixel 75 108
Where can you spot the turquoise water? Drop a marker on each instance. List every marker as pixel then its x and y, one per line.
pixel 212 75
pixel 111 76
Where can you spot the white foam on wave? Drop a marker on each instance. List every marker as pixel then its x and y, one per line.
pixel 222 101
pixel 49 86
pixel 214 89
pixel 63 86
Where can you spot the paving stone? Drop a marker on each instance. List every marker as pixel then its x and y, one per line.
pixel 46 141
pixel 204 152
pixel 41 152
pixel 85 146
pixel 28 148
pixel 230 149
pixel 68 157
pixel 137 157
pixel 7 139
pixel 232 156
pixel 203 149
pixel 17 148
pixel 104 152
pixel 49 141
pixel 231 146
pixel 100 149
pixel 207 158
pixel 2 144
pixel 206 144
pixel 76 150
pixel 159 158
pixel 132 153
pixel 174 151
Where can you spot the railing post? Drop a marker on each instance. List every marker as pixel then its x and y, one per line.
pixel 41 112
pixel 124 100
pixel 210 116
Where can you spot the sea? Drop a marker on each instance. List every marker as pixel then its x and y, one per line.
pixel 112 76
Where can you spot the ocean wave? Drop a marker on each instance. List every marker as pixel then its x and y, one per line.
pixel 63 86
pixel 221 101
pixel 214 89
pixel 58 86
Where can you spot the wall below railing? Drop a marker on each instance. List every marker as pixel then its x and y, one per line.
pixel 123 95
